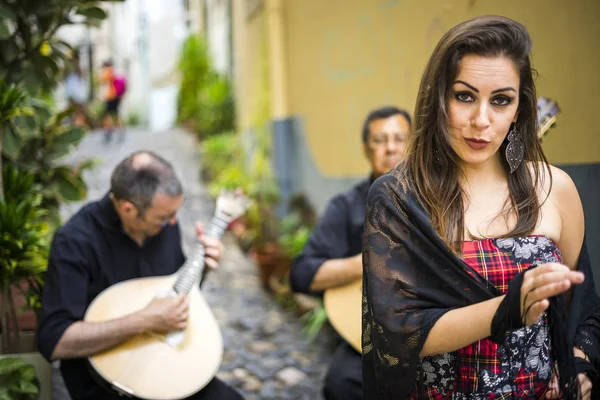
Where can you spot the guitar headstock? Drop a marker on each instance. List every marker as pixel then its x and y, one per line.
pixel 231 205
pixel 548 111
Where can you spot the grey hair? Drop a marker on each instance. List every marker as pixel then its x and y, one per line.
pixel 141 176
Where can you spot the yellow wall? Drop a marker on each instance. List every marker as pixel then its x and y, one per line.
pixel 346 57
pixel 250 62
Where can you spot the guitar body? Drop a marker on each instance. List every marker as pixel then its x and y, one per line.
pixel 145 366
pixel 343 306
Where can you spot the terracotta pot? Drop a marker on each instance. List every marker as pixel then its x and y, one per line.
pixel 267 259
pixel 238 227
pixel 278 281
pixel 27 320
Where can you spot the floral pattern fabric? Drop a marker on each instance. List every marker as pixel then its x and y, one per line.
pixel 521 366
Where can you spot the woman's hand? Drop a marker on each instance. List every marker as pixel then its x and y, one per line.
pixel 585 384
pixel 541 283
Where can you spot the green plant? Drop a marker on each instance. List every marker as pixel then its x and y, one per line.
pixel 264 190
pixel 29 51
pixel 295 227
pixel 293 242
pixel 133 118
pixel 194 66
pixel 217 113
pixel 314 321
pixel 223 163
pixel 229 178
pixel 96 109
pixel 23 242
pixel 261 217
pixel 41 141
pixel 18 380
pixel 205 97
pixel 13 103
pixel 219 152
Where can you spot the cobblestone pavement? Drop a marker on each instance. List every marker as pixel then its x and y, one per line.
pixel 266 354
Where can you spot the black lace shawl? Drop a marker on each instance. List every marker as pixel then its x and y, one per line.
pixel 411 278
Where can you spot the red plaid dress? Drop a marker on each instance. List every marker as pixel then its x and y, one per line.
pixel 520 367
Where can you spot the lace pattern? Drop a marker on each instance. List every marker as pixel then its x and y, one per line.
pixel 523 362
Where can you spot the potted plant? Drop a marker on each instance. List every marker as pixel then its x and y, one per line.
pixel 294 231
pixel 219 152
pixel 261 237
pixel 205 99
pixel 18 380
pixel 24 234
pixel 43 139
pixel 13 103
pixel 23 246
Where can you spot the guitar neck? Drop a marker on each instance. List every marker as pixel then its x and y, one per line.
pixel 545 126
pixel 193 268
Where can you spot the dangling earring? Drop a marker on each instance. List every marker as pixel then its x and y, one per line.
pixel 515 150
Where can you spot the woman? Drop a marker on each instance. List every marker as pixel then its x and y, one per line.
pixel 470 245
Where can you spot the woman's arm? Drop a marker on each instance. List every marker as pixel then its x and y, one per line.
pixel 462 326
pixel 452 331
pixel 565 198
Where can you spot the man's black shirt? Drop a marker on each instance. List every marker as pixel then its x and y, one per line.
pixel 338 234
pixel 90 253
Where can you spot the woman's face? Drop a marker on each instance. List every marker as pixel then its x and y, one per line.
pixel 483 104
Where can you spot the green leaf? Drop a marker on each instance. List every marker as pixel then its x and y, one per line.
pixel 7 13
pixel 58 152
pixel 50 63
pixel 11 143
pixel 42 110
pixel 59 117
pixel 8 51
pixel 31 79
pixel 4 30
pixel 70 190
pixel 28 374
pixel 4 394
pixel 26 387
pixel 88 164
pixel 92 13
pixel 71 136
pixel 11 364
pixel 62 43
pixel 26 126
pixel 45 9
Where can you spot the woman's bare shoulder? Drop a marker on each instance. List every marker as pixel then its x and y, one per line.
pixel 565 198
pixel 563 192
pixel 554 183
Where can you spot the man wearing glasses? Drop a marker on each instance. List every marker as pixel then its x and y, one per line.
pixel 333 255
pixel 130 233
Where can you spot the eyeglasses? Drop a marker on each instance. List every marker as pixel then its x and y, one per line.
pixel 383 140
pixel 163 221
pixel 142 213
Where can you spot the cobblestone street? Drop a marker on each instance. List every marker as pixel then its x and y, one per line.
pixel 266 354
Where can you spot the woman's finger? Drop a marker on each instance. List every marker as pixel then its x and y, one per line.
pixel 535 311
pixel 585 385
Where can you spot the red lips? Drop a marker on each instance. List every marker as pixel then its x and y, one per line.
pixel 477 144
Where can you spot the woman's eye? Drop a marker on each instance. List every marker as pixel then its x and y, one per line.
pixel 502 101
pixel 464 97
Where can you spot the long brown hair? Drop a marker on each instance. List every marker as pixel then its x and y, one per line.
pixel 432 167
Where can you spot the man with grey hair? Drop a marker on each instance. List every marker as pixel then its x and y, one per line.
pixel 332 257
pixel 130 233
